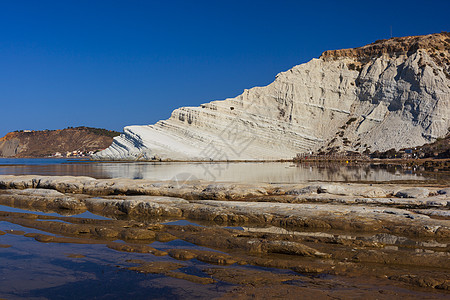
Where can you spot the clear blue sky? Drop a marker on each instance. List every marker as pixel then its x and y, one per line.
pixel 115 63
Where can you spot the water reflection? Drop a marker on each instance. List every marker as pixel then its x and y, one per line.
pixel 255 172
pixel 240 172
pixel 34 270
pixel 50 213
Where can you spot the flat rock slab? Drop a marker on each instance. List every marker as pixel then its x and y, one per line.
pixel 413 193
pixel 434 201
pixel 152 206
pixel 40 198
pixel 329 206
pixel 288 215
pixel 207 190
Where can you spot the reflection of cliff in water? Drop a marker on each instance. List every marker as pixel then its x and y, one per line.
pixel 431 172
pixel 63 169
pixel 257 172
pixel 377 171
pixel 241 172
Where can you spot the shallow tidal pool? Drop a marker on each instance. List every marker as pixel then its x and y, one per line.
pixel 46 264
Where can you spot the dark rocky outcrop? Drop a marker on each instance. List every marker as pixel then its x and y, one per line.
pixel 48 142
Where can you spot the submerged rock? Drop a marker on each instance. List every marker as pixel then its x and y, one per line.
pixel 40 198
pixel 383 258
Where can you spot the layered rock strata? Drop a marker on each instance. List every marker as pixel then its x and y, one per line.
pixel 390 94
pixel 385 235
pixel 376 261
pixel 383 208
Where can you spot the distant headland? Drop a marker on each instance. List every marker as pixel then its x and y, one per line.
pixel 69 142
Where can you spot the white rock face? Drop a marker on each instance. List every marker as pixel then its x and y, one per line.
pixel 350 99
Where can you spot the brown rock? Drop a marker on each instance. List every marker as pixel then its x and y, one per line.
pixel 165 237
pixel 136 248
pixel 137 234
pixel 192 278
pixel 182 254
pixel 156 267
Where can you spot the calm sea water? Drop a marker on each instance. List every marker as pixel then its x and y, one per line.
pixel 35 270
pixel 239 172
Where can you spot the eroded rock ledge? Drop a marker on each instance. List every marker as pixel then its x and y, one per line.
pixel 378 235
pixel 347 100
pixel 406 210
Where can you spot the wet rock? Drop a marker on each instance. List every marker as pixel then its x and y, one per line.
pixel 205 256
pixel 15 232
pixel 137 234
pixel 424 281
pixel 40 198
pixel 84 230
pixel 44 238
pixel 156 267
pixel 390 239
pixel 386 255
pixel 75 255
pixel 136 248
pixel 317 289
pixel 191 278
pixel 249 277
pixel 138 206
pixel 104 232
pixel 215 258
pixel 182 254
pixel 353 254
pixel 292 248
pixel 295 216
pixel 287 215
pixel 165 237
pixel 308 269
pixel 167 269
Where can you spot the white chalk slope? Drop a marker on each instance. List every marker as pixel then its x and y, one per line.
pixel 390 94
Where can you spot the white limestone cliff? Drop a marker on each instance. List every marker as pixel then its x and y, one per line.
pixel 390 94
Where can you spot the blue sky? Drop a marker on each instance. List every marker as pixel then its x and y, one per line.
pixel 115 63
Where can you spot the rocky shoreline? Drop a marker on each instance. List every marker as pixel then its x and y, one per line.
pixel 379 207
pixel 395 234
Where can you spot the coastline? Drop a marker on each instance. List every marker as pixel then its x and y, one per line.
pixel 399 161
pixel 339 229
